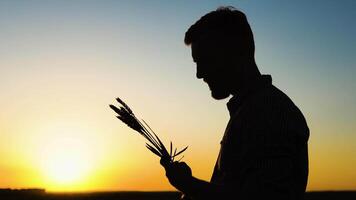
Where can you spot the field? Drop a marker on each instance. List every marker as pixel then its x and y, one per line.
pixel 42 195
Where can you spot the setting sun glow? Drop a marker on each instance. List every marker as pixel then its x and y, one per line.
pixel 64 166
pixel 65 158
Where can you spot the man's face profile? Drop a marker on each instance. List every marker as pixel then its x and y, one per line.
pixel 215 65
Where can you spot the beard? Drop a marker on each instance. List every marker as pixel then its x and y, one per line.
pixel 219 93
pixel 219 87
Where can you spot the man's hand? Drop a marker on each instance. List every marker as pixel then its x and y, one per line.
pixel 179 174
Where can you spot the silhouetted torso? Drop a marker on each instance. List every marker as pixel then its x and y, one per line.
pixel 264 151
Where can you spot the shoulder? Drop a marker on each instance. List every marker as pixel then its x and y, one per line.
pixel 273 111
pixel 273 102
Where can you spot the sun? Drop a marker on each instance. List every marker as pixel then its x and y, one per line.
pixel 67 166
pixel 65 162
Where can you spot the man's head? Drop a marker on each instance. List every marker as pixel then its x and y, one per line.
pixel 222 46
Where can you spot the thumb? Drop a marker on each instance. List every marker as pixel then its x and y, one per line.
pixel 165 162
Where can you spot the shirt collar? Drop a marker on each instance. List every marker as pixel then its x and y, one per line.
pixel 235 102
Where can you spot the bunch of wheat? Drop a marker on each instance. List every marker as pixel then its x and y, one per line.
pixel 155 145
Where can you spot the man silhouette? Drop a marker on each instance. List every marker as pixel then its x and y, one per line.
pixel 263 152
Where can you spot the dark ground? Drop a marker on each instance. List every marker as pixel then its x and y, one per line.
pixel 6 194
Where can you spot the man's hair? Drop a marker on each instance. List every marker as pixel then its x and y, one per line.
pixel 225 22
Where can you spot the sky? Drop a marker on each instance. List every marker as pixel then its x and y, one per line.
pixel 63 62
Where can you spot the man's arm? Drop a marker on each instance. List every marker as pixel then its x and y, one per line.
pixel 269 177
pixel 180 176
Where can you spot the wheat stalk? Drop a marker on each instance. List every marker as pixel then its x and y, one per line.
pixel 155 145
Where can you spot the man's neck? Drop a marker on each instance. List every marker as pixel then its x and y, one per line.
pixel 250 78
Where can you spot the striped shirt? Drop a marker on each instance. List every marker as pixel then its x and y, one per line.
pixel 264 151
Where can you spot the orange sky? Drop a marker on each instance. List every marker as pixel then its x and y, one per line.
pixel 63 63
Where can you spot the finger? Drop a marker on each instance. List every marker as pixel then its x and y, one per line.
pixel 172 169
pixel 165 162
pixel 184 164
pixel 185 168
pixel 176 165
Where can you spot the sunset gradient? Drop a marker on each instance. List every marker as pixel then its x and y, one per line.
pixel 63 62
